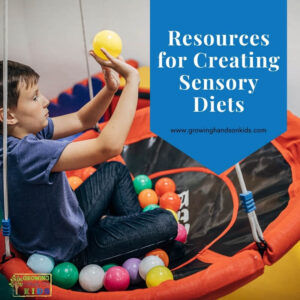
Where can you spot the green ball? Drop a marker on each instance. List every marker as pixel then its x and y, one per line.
pixel 65 275
pixel 108 266
pixel 150 207
pixel 142 182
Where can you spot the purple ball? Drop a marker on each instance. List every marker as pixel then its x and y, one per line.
pixel 132 266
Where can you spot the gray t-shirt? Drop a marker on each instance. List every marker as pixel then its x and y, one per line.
pixel 43 209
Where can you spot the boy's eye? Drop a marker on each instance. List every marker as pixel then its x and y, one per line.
pixel 35 98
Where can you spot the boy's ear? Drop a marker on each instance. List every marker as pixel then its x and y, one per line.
pixel 11 119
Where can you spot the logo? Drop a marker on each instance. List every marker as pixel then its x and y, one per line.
pixel 31 285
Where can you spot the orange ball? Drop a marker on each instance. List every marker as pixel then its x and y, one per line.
pixel 161 254
pixel 75 182
pixel 87 172
pixel 147 197
pixel 170 200
pixel 164 185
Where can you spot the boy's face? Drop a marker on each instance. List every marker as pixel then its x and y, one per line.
pixel 31 112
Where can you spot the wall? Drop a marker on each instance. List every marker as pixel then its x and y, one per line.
pixel 294 56
pixel 47 35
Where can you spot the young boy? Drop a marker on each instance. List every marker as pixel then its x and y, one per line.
pixel 47 217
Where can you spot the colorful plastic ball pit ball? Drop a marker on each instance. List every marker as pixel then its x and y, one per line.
pixel 148 263
pixel 164 185
pixel 151 207
pixel 181 234
pixel 142 182
pixel 65 275
pixel 108 266
pixel 116 279
pixel 157 275
pixel 87 172
pixel 75 182
pixel 147 197
pixel 173 213
pixel 91 278
pixel 170 200
pixel 161 254
pixel 110 41
pixel 132 266
pixel 39 263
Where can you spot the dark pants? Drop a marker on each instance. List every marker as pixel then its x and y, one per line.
pixel 127 231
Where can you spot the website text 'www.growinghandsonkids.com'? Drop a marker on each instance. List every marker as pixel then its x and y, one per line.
pixel 215 130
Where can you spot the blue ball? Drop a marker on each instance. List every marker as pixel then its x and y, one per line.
pixel 39 263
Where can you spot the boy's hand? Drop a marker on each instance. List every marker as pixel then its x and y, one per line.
pixel 111 78
pixel 124 69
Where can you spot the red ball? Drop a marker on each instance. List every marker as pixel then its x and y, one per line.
pixel 77 173
pixel 170 200
pixel 87 172
pixel 164 185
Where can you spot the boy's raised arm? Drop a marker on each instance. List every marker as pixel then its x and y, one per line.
pixel 112 138
pixel 87 116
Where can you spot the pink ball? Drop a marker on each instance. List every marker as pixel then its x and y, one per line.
pixel 116 279
pixel 182 234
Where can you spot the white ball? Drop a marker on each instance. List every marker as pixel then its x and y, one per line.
pixel 91 278
pixel 40 263
pixel 148 263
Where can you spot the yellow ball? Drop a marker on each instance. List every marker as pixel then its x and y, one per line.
pixel 157 275
pixel 174 214
pixel 110 41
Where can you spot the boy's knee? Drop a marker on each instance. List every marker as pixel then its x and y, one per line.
pixel 116 165
pixel 165 221
pixel 113 167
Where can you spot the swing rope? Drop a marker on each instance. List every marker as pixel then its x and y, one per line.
pixel 249 206
pixel 90 84
pixel 86 52
pixel 5 221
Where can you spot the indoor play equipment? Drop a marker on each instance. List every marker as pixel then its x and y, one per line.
pixel 116 279
pixel 148 263
pixel 158 275
pixel 91 278
pixel 39 263
pixel 108 40
pixel 161 254
pixel 164 185
pixel 132 267
pixel 142 182
pixel 220 254
pixel 150 207
pixel 147 197
pixel 65 275
pixel 182 234
pixel 170 200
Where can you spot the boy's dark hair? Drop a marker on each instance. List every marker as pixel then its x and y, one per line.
pixel 16 74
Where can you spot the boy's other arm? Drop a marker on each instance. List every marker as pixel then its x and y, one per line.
pixel 84 118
